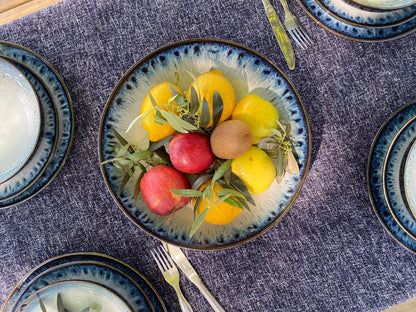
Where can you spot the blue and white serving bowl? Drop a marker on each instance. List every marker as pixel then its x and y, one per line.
pixel 248 72
pixel 75 296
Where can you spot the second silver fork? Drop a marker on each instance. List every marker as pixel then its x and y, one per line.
pixel 295 28
pixel 171 274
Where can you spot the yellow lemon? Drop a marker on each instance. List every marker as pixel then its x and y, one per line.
pixel 259 114
pixel 255 168
pixel 219 214
pixel 213 81
pixel 161 94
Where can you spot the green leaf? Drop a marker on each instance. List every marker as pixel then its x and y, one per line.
pixel 122 150
pixel 139 155
pixel 200 180
pixel 173 91
pixel 158 118
pixel 156 145
pixel 124 162
pixel 196 205
pixel 194 103
pixel 243 203
pixel 221 170
pixel 198 222
pixel 139 178
pixel 122 140
pixel 59 303
pixel 42 305
pixel 279 162
pixel 231 192
pixel 205 115
pixel 178 123
pixel 152 100
pixel 123 183
pixel 217 108
pixel 187 192
pixel 239 185
pixel 231 201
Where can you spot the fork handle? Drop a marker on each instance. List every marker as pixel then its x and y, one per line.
pixel 185 306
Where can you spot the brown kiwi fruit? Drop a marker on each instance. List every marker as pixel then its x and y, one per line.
pixel 230 139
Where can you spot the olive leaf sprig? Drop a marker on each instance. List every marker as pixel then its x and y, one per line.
pixel 279 146
pixel 95 307
pixel 234 192
pixel 191 113
pixel 128 159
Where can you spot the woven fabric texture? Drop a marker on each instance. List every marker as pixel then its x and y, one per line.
pixel 328 253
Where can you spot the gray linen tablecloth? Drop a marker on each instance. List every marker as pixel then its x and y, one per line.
pixel 329 252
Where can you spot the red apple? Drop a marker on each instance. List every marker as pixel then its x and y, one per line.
pixel 155 187
pixel 190 152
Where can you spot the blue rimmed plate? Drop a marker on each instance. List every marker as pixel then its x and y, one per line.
pixel 20 120
pixel 76 296
pixel 375 173
pixel 410 179
pixel 354 14
pixel 325 17
pixel 94 262
pixel 248 72
pixel 386 4
pixel 56 88
pixel 44 149
pixel 393 178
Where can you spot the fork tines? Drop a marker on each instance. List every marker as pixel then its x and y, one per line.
pixel 162 258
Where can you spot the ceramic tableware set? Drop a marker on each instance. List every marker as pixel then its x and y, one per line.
pixel 364 20
pixel 47 107
pixel 391 175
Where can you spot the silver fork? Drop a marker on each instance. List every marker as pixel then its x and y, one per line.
pixel 295 28
pixel 171 274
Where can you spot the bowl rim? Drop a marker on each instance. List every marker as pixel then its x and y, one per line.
pixel 231 44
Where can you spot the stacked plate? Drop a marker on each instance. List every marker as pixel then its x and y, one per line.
pixel 391 175
pixel 50 145
pixel 364 20
pixel 84 280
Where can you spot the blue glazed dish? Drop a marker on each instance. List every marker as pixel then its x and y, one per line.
pixel 394 178
pixel 354 14
pixel 121 268
pixel 375 173
pixel 334 24
pixel 61 100
pixel 44 149
pixel 90 271
pixel 248 72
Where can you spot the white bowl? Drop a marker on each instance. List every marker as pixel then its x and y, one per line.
pixel 19 120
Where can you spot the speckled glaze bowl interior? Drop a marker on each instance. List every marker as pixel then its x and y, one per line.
pixel 20 119
pixel 249 72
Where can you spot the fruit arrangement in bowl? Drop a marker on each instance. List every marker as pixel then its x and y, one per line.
pixel 204 144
